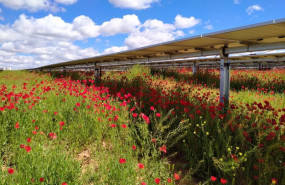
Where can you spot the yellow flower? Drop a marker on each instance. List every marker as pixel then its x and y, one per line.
pixel 207 133
pixel 237 148
pixel 240 154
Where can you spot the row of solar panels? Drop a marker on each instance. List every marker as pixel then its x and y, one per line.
pixel 206 48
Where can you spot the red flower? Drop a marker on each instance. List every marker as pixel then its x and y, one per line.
pixel 143 183
pixel 153 140
pixel 169 180
pixel 113 125
pixel 41 179
pixel 152 108
pixel 28 140
pixel 140 165
pixel 134 147
pixel 10 171
pixel 61 123
pixel 17 125
pixel 274 181
pixel 157 180
pixel 64 183
pixel 163 148
pixel 158 115
pixel 122 160
pixel 124 126
pixel 176 176
pixel 77 104
pixel 28 148
pixel 223 181
pixel 213 178
pixel 55 113
pixel 135 115
pixel 52 135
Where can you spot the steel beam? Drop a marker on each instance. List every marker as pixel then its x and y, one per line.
pixel 224 77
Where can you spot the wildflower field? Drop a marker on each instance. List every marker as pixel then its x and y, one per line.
pixel 142 126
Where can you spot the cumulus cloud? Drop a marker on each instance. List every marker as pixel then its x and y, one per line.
pixel 253 8
pixel 37 5
pixel 151 32
pixel 185 22
pixel 133 4
pixel 67 2
pixel 41 41
pixel 115 49
pixel 115 26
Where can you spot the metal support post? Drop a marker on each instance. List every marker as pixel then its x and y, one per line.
pixel 224 77
pixel 259 66
pixel 195 67
pixel 96 72
pixel 64 71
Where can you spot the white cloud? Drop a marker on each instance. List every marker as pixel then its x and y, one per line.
pixel 67 2
pixel 2 18
pixel 41 41
pixel 151 32
pixel 36 5
pixel 208 27
pixel 253 8
pixel 236 1
pixel 115 26
pixel 185 22
pixel 133 4
pixel 85 27
pixel 115 49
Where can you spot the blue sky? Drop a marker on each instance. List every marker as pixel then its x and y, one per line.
pixel 40 32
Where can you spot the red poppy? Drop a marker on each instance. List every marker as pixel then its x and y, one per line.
pixel 134 147
pixel 176 176
pixel 169 180
pixel 143 183
pixel 223 181
pixel 17 125
pixel 52 135
pixel 41 179
pixel 28 140
pixel 157 180
pixel 28 148
pixel 113 125
pixel 135 115
pixel 61 123
pixel 140 165
pixel 77 104
pixel 124 126
pixel 158 115
pixel 213 178
pixel 163 148
pixel 152 108
pixel 10 171
pixel 64 183
pixel 122 160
